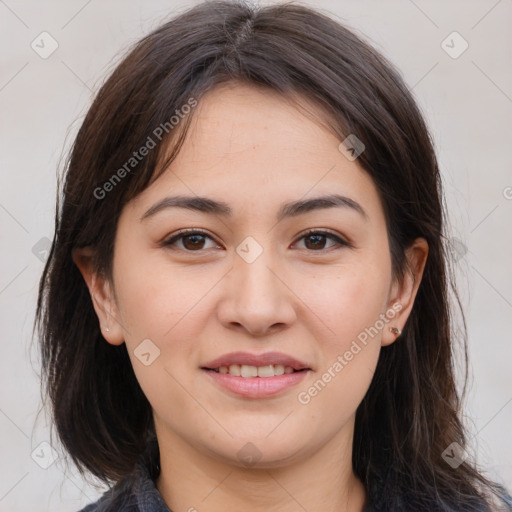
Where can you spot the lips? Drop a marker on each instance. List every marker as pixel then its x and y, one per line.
pixel 253 376
pixel 257 360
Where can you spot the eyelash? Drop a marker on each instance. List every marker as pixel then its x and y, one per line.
pixel 189 232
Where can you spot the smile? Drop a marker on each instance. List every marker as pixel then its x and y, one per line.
pixel 245 370
pixel 244 383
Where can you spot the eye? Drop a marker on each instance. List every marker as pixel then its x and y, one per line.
pixel 316 240
pixel 192 240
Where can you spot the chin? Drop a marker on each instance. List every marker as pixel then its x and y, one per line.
pixel 253 452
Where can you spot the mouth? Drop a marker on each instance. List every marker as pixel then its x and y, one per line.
pixel 256 375
pixel 247 371
pixel 248 364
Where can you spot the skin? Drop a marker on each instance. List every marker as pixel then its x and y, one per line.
pixel 254 151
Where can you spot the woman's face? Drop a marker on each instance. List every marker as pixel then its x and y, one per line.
pixel 254 282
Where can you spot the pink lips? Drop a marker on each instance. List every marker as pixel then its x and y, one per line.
pixel 256 387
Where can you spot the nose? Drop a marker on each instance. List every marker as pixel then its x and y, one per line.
pixel 256 298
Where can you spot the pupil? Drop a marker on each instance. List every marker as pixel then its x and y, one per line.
pixel 196 243
pixel 317 237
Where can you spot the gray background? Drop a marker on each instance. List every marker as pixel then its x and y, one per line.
pixel 467 102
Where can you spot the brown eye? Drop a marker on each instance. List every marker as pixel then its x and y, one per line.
pixel 191 241
pixel 195 241
pixel 316 240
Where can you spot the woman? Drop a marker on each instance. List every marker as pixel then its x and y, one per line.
pixel 246 300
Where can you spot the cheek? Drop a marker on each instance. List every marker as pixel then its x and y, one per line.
pixel 350 308
pixel 158 304
pixel 338 388
pixel 350 304
pixel 347 299
pixel 167 306
pixel 154 296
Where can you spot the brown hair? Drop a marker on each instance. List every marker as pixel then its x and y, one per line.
pixel 410 413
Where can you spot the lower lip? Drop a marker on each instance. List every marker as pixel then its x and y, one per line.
pixel 257 387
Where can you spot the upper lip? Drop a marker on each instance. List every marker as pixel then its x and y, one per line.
pixel 249 359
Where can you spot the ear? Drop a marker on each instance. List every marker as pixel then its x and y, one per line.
pixel 403 290
pixel 102 296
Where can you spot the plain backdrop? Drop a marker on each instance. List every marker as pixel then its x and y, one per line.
pixel 466 98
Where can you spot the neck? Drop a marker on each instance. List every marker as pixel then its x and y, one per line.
pixel 191 480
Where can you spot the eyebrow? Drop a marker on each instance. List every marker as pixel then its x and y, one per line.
pixel 292 209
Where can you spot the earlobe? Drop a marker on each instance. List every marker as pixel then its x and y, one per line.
pixel 102 296
pixel 395 330
pixel 404 290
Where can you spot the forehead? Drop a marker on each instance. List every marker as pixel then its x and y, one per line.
pixel 238 117
pixel 252 144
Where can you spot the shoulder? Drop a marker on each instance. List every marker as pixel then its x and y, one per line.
pixel 137 492
pixel 120 497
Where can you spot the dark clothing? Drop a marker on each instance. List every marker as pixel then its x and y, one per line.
pixel 137 492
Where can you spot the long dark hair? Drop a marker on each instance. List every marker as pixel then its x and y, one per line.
pixel 410 413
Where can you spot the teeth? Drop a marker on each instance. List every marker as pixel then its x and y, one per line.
pixel 265 371
pixel 234 369
pixel 279 369
pixel 246 370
